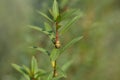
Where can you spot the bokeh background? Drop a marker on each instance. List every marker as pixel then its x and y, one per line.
pixel 95 57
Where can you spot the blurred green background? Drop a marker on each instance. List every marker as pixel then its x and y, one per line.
pixel 95 57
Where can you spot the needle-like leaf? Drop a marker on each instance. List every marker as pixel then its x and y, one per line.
pixel 67 65
pixel 21 70
pixel 70 43
pixel 42 50
pixel 47 27
pixel 38 29
pixel 54 54
pixel 50 76
pixel 67 26
pixel 44 15
pixel 49 33
pixel 34 66
pixel 55 10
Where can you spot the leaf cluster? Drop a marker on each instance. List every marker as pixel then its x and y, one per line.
pixel 63 25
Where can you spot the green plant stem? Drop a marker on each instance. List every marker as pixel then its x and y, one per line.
pixel 57 46
pixel 54 69
pixel 57 37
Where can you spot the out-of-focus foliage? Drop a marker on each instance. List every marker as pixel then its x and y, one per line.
pixel 14 15
pixel 96 57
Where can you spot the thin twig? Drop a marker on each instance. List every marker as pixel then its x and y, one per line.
pixel 54 69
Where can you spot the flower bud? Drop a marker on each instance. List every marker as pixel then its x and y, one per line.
pixel 57 44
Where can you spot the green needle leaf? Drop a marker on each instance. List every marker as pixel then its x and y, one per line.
pixel 55 10
pixel 67 14
pixel 42 50
pixel 47 27
pixel 49 33
pixel 67 65
pixel 70 43
pixel 34 66
pixel 44 15
pixel 50 11
pixel 21 70
pixel 38 29
pixel 61 72
pixel 40 73
pixel 67 26
pixel 54 54
pixel 18 68
pixel 26 69
pixel 50 76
